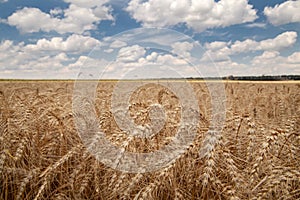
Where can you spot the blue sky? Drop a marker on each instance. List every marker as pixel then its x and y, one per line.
pixel 61 38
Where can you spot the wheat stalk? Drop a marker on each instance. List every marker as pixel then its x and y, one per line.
pixel 255 157
pixel 25 181
pixel 71 153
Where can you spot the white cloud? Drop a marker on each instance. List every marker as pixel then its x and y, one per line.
pixel 17 60
pixel 3 1
pixel 199 15
pixel 45 63
pixel 60 58
pixel 256 25
pixel 152 56
pixel 74 43
pixel 171 60
pixel 98 8
pixel 271 62
pixel 76 18
pixel 157 59
pixel 154 65
pixel 87 3
pixel 89 64
pixel 216 51
pixel 216 56
pixel 56 11
pixel 15 56
pixel 51 62
pixel 268 63
pixel 224 68
pixel 220 51
pixel 284 13
pixel 294 58
pixel 31 20
pixel 5 45
pixel 216 45
pixel 183 49
pixel 267 57
pixel 11 54
pixel 108 50
pixel 282 41
pixel 46 58
pixel 117 44
pixel 131 53
pixel 244 46
pixel 65 55
pixel 78 63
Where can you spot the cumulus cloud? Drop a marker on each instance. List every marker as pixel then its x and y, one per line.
pixel 182 49
pixel 130 53
pixel 8 50
pixel 294 58
pixel 87 3
pixel 154 65
pixel 152 57
pixel 216 51
pixel 216 45
pixel 45 63
pixel 267 57
pixel 198 15
pixel 220 51
pixel 281 41
pixel 77 18
pixel 287 12
pixel 117 44
pixel 54 58
pixel 15 56
pixel 74 43
pixel 171 60
pixel 271 62
pixel 256 25
pixel 5 45
pixel 216 56
pixel 62 57
pixel 31 20
pixel 45 56
pixel 223 54
pixel 56 11
pixel 267 63
pixel 90 64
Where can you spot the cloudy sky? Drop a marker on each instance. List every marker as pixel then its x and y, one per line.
pixel 61 38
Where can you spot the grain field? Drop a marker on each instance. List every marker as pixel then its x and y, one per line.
pixel 256 157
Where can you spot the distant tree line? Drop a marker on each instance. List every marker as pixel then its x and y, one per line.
pixel 264 78
pixel 253 78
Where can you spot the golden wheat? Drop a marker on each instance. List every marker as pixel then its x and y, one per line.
pixel 256 156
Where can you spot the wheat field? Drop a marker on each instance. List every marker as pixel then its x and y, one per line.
pixel 256 157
